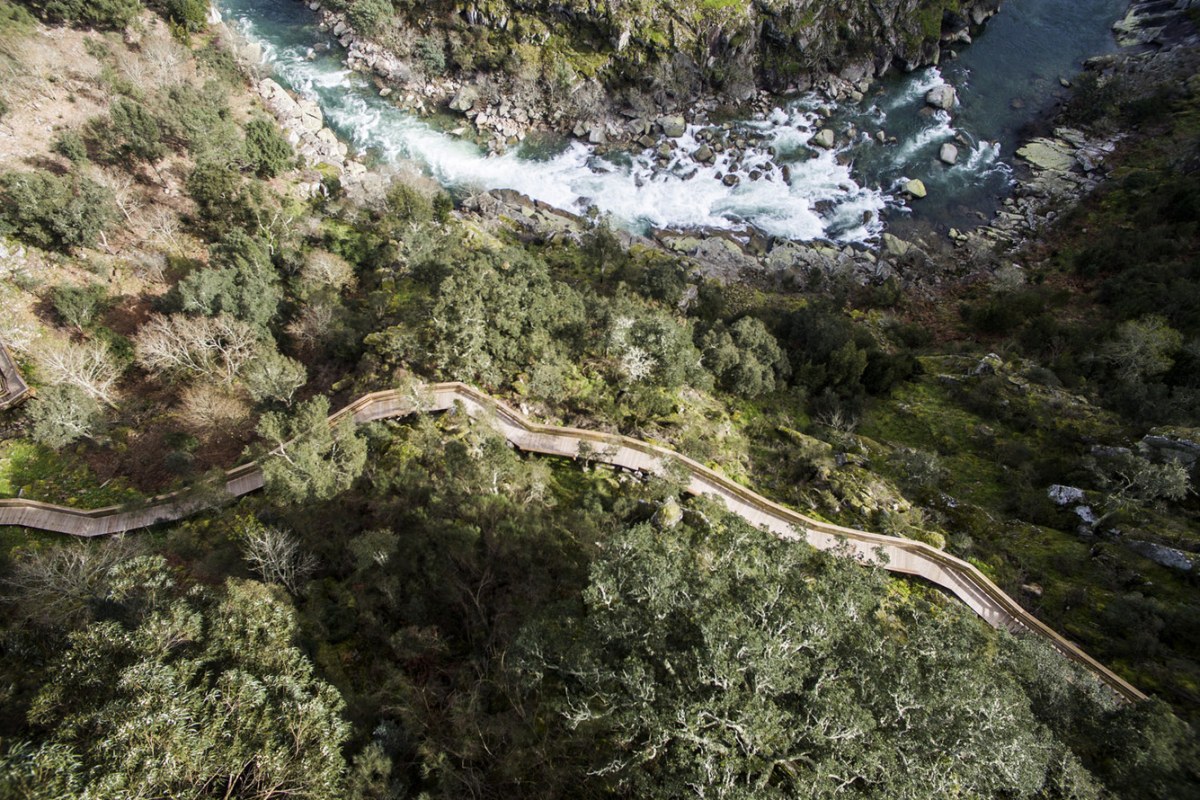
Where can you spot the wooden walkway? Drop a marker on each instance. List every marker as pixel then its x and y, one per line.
pixel 13 388
pixel 903 556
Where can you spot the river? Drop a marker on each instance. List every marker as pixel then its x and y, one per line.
pixel 1006 80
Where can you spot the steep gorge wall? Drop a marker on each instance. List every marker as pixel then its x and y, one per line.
pixel 565 61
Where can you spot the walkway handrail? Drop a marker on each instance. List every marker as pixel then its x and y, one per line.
pixel 13 388
pixel 895 554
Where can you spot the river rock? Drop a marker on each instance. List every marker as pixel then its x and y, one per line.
pixel 894 246
pixel 943 97
pixel 948 154
pixel 310 115
pixel 824 138
pixel 731 180
pixel 916 188
pixel 465 99
pixel 673 126
pixel 1048 155
pixel 703 154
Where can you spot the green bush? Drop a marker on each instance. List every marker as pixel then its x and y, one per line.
pixel 265 150
pixel 368 16
pixel 54 212
pixel 432 55
pixel 191 15
pixel 70 145
pixel 131 132
pixel 222 196
pixel 99 14
pixel 79 306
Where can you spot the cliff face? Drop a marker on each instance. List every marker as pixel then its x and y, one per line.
pixel 723 46
pixel 582 65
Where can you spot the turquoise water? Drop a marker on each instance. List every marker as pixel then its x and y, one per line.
pixel 848 194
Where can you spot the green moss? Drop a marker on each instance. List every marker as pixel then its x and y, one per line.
pixel 38 473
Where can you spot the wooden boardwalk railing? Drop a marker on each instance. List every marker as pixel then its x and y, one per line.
pixel 13 388
pixel 898 555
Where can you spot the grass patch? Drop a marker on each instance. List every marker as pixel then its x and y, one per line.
pixel 34 472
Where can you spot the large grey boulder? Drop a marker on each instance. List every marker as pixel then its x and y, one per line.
pixel 916 188
pixel 673 126
pixel 943 97
pixel 465 99
pixel 948 154
pixel 824 138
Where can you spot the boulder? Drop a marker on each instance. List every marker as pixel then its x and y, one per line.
pixel 703 154
pixel 916 188
pixel 1048 154
pixel 943 97
pixel 894 246
pixel 465 99
pixel 731 180
pixel 673 126
pixel 948 154
pixel 823 138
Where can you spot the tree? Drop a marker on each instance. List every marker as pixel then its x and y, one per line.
pixel 100 14
pixel 745 357
pixel 1142 348
pixel 88 366
pixel 71 146
pixel 240 281
pixel 274 376
pixel 755 668
pixel 79 305
pixel 310 458
pixel 56 213
pixel 1128 479
pixel 653 347
pixel 63 414
pixel 182 346
pixel 191 14
pixel 132 132
pixel 265 150
pixel 324 269
pixel 221 195
pixel 275 554
pixel 202 694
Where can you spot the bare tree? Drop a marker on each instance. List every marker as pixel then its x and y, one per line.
pixel 58 586
pixel 312 327
pixel 322 268
pixel 205 408
pixel 275 554
pixel 87 365
pixel 212 347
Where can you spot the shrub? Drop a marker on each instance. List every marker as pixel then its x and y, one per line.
pixel 131 132
pixel 63 414
pixel 99 14
pixel 265 150
pixel 45 210
pixel 70 145
pixel 431 55
pixel 368 16
pixel 191 15
pixel 78 305
pixel 221 196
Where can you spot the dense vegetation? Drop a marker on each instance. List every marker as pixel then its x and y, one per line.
pixel 415 610
pixel 485 625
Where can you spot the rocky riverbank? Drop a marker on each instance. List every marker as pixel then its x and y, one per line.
pixel 502 108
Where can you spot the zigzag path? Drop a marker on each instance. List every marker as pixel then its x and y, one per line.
pixel 903 556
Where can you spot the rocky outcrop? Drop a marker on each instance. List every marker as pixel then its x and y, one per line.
pixel 607 73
